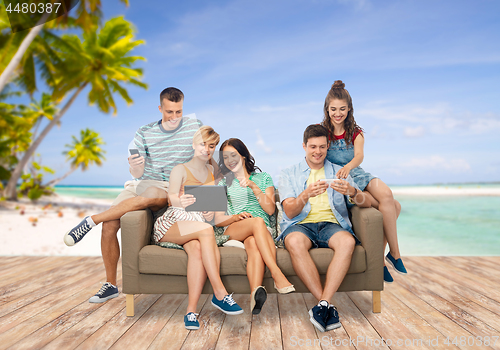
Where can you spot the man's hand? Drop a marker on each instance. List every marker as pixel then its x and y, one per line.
pixel 343 187
pixel 316 188
pixel 136 162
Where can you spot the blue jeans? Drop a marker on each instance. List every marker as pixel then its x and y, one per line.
pixel 319 233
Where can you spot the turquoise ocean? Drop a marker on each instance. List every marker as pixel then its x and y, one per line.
pixel 428 225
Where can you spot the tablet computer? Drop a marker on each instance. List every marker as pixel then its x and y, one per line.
pixel 208 198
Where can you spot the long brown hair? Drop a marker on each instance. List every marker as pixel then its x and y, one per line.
pixel 338 92
pixel 249 161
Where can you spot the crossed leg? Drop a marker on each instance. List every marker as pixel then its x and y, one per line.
pixel 255 265
pixel 256 227
pixel 184 231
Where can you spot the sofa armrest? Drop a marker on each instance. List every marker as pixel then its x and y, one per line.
pixel 368 227
pixel 136 229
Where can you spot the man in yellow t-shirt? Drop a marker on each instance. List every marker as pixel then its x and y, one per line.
pixel 316 215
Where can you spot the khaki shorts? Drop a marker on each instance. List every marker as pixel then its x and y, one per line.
pixel 134 188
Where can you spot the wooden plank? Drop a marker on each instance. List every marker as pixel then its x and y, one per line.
pixel 442 286
pixel 357 327
pixel 211 320
pixel 144 331
pixel 481 298
pixel 297 331
pixel 174 333
pixel 47 280
pixel 464 319
pixel 23 329
pixel 266 326
pixel 397 324
pixel 473 266
pixel 26 270
pixel 235 332
pixel 459 276
pixel 109 333
pixel 432 316
pixel 86 327
pixel 334 339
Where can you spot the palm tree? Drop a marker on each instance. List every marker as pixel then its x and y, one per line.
pixel 88 17
pixel 102 62
pixel 82 153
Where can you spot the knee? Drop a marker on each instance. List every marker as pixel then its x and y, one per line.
pixel 193 249
pixel 386 195
pixel 110 228
pixel 206 231
pixel 258 222
pixel 398 207
pixel 345 242
pixel 295 244
pixel 250 244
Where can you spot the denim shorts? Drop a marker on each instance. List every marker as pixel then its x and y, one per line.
pixel 319 233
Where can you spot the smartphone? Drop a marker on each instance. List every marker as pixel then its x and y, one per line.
pixel 134 151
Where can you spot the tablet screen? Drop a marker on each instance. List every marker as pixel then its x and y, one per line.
pixel 208 198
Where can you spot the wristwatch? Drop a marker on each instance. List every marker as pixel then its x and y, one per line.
pixel 351 199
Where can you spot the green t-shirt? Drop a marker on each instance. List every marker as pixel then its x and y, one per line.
pixel 242 199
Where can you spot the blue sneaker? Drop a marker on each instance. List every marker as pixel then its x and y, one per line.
pixel 397 264
pixel 107 291
pixel 387 276
pixel 319 315
pixel 190 321
pixel 332 321
pixel 227 305
pixel 77 233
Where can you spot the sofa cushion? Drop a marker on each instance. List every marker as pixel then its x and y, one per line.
pixel 165 261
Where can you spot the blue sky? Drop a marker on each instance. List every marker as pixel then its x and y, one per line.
pixel 424 77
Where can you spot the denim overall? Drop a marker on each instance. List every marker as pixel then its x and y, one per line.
pixel 341 154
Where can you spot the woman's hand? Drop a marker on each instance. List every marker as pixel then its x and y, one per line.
pixel 344 172
pixel 208 215
pixel 244 182
pixel 186 200
pixel 242 216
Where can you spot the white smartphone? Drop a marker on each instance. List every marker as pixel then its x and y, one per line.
pixel 329 181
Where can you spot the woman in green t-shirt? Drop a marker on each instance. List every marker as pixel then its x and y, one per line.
pixel 250 204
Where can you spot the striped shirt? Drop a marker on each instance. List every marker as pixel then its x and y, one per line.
pixel 163 149
pixel 242 199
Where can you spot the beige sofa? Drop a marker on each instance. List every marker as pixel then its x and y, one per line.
pixel 150 269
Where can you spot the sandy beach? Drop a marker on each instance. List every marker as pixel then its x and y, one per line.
pixel 38 229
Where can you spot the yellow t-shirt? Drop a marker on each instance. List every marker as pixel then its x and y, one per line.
pixel 320 206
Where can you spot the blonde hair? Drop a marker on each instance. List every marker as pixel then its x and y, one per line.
pixel 206 134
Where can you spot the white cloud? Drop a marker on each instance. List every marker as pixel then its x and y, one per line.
pixel 414 132
pixel 261 143
pixel 436 162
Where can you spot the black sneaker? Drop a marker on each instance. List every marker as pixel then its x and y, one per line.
pixel 107 291
pixel 77 233
pixel 333 318
pixel 319 315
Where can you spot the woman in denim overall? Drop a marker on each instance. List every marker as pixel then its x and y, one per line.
pixel 346 149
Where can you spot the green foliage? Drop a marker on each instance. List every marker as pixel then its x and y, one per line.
pixel 86 150
pixel 31 185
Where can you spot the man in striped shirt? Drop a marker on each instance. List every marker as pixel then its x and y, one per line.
pixel 161 145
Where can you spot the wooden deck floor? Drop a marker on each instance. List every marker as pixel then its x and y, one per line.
pixel 443 303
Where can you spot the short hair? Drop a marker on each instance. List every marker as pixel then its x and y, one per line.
pixel 315 130
pixel 207 134
pixel 172 94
